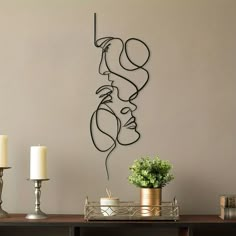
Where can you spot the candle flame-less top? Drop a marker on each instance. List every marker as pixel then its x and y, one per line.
pixel 38 162
pixel 3 151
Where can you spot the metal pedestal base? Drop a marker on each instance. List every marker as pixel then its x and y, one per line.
pixel 37 215
pixel 3 213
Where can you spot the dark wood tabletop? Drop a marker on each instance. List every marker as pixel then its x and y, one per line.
pixel 79 219
pixel 187 225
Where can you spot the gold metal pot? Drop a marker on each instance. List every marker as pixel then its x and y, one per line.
pixel 150 198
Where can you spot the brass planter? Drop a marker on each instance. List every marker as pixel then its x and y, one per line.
pixel 151 199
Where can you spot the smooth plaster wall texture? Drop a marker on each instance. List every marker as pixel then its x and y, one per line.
pixel 186 114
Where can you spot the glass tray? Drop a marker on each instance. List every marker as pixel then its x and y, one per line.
pixel 131 211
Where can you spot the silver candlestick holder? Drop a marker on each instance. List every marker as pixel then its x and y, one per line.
pixel 2 212
pixel 37 214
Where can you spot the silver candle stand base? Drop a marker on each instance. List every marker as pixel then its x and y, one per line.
pixel 3 213
pixel 37 214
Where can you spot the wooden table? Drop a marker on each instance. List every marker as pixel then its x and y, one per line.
pixel 74 225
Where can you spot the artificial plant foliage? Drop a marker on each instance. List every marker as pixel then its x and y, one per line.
pixel 150 173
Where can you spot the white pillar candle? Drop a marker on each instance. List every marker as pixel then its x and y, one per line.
pixel 109 205
pixel 38 162
pixel 3 150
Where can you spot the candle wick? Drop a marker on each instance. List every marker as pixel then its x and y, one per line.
pixel 108 192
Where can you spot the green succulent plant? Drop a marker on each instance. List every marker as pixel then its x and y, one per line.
pixel 150 173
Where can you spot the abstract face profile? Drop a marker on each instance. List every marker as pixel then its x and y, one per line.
pixel 124 129
pixel 114 121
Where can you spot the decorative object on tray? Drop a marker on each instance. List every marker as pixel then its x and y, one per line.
pixel 38 174
pixel 151 175
pixel 3 166
pixel 228 206
pixel 109 204
pixel 131 211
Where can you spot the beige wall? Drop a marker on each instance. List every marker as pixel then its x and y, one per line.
pixel 186 114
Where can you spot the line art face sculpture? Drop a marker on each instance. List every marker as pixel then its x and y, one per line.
pixel 113 122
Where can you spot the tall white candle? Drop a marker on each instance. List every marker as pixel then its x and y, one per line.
pixel 38 162
pixel 3 150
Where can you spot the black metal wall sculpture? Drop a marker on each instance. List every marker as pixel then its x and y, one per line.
pixel 113 122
